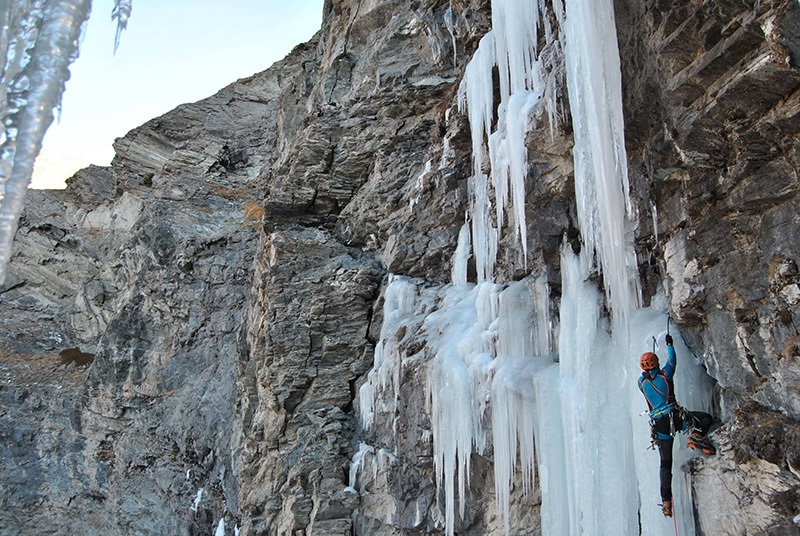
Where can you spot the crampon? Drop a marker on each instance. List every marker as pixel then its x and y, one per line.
pixel 698 442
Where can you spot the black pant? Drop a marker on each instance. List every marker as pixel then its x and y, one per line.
pixel 695 419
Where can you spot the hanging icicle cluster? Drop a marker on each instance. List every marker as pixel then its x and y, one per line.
pixel 594 81
pixel 528 76
pixel 486 340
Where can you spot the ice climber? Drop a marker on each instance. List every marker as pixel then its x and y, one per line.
pixel 667 417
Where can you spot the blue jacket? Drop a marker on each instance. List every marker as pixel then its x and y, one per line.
pixel 657 387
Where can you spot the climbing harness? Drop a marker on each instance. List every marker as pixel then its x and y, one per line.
pixel 669 396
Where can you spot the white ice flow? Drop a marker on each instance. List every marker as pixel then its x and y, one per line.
pixel 38 42
pixel 594 82
pixel 527 80
pixel 484 341
pixel 561 388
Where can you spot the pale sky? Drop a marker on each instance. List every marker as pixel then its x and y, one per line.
pixel 173 52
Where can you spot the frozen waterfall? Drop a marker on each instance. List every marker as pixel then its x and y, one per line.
pixel 594 82
pixel 38 42
pixel 556 395
pixel 527 78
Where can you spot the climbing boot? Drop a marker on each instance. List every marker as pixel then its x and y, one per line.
pixel 666 508
pixel 698 442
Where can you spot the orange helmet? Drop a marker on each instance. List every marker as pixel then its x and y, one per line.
pixel 648 361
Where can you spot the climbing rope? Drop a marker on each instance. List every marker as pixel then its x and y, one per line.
pixel 674 517
pixel 683 412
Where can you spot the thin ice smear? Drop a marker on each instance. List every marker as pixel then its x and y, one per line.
pixel 197 500
pixel 449 21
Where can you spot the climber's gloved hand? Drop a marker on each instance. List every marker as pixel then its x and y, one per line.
pixel 668 338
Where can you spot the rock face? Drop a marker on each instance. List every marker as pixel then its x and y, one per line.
pixel 184 333
pixel 146 269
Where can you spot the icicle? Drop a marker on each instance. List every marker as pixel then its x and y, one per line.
pixel 580 308
pixel 655 221
pixel 600 480
pixel 220 528
pixel 520 107
pixel 121 13
pixel 601 173
pixel 476 96
pixel 542 323
pixel 516 27
pixel 521 64
pixel 485 236
pixel 528 90
pixel 594 367
pixel 518 344
pixel 40 44
pixel 499 158
pixel 452 376
pixel 550 451
pixel 509 160
pixel 461 257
